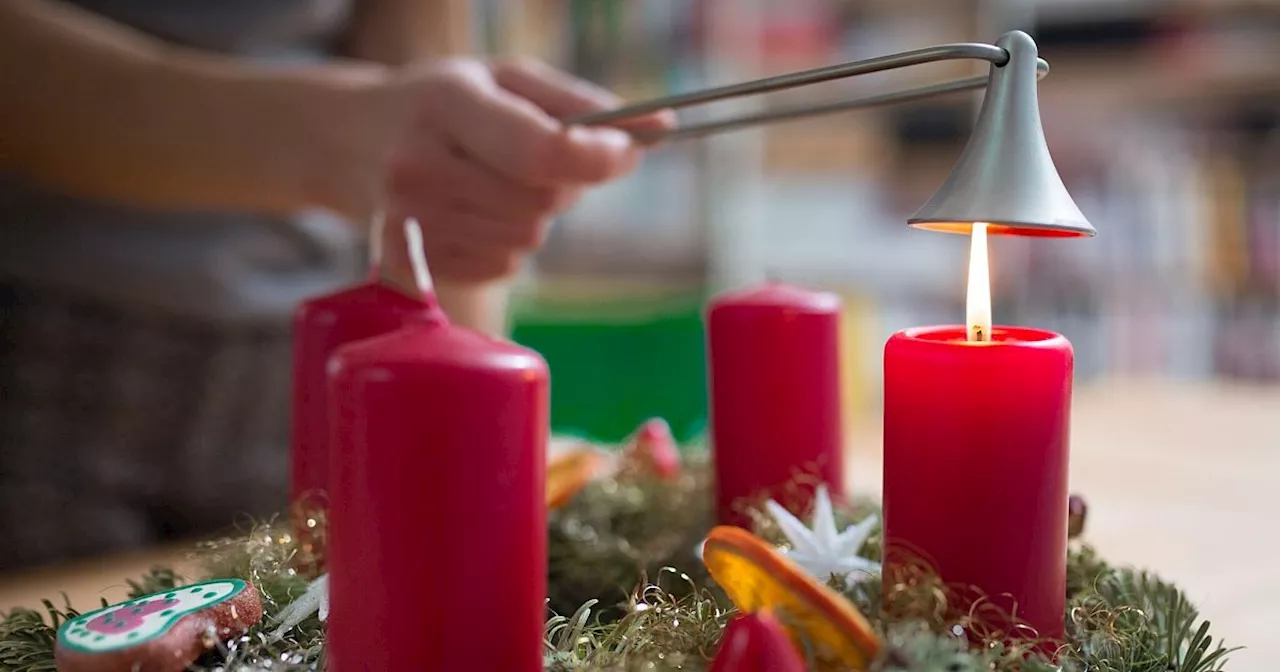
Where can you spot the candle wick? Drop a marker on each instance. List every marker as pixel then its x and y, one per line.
pixel 413 262
pixel 417 257
pixel 977 333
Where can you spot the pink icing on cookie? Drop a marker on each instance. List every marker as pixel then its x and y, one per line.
pixel 127 618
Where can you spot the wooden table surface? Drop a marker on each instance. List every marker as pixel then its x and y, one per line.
pixel 1178 478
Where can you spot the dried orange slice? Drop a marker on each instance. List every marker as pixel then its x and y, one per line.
pixel 571 471
pixel 757 577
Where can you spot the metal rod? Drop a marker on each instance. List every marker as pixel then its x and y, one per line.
pixel 985 52
pixel 799 112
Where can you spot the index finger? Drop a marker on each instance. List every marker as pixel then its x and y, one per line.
pixel 562 95
pixel 516 137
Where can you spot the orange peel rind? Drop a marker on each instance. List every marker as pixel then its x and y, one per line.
pixel 757 577
pixel 571 471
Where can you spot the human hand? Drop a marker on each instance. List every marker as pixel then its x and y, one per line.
pixel 483 162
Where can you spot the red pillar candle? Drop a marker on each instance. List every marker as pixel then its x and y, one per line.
pixel 774 361
pixel 437 523
pixel 321 326
pixel 975 466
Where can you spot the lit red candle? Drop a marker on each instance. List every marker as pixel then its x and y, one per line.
pixel 437 521
pixel 975 460
pixel 774 361
pixel 321 326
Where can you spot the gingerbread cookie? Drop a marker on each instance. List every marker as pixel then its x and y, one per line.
pixel 163 632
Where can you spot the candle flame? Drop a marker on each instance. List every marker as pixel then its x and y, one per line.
pixel 978 303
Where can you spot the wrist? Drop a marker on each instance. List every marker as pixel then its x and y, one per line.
pixel 308 136
pixel 478 306
pixel 342 141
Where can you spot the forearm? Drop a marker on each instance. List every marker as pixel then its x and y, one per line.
pixel 396 32
pixel 95 109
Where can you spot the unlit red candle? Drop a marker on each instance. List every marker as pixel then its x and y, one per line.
pixel 975 468
pixel 774 376
pixel 321 326
pixel 437 521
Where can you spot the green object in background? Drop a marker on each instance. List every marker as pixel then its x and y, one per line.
pixel 619 360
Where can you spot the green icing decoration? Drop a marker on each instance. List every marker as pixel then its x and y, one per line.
pixel 141 620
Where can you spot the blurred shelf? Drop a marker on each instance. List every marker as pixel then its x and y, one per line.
pixel 1100 82
pixel 1092 9
pixel 1219 7
pixel 848 143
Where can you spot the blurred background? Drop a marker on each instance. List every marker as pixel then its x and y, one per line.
pixel 1161 116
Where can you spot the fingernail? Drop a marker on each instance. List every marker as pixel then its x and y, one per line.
pixel 610 137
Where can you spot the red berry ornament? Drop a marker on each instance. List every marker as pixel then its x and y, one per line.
pixel 653 451
pixel 757 643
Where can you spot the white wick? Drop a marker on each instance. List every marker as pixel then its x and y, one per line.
pixel 417 257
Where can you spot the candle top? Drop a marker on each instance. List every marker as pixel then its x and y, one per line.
pixel 949 335
pixel 775 294
pixel 438 342
pixel 373 292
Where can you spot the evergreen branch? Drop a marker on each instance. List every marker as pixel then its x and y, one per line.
pixel 1118 619
pixel 26 639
